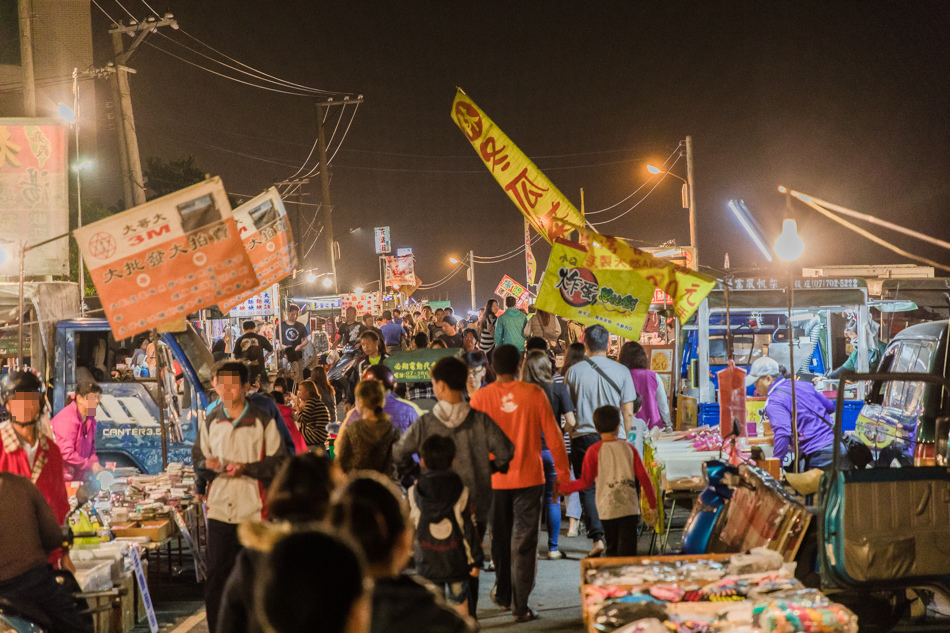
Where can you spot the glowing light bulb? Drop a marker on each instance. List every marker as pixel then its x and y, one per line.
pixel 789 246
pixel 311 277
pixel 327 282
pixel 65 113
pixel 358 290
pixel 452 260
pixel 654 170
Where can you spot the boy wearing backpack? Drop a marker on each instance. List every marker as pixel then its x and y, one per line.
pixel 447 552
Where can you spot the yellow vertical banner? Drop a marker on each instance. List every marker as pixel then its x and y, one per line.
pixel 543 205
pixel 617 299
pixel 555 218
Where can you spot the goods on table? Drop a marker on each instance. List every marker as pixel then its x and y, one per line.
pixel 706 595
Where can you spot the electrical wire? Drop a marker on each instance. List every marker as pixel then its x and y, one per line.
pixel 637 203
pixel 106 13
pixel 345 132
pixel 151 9
pixel 122 6
pixel 214 72
pixel 589 213
pixel 282 83
pixel 454 272
pixel 262 73
pixel 517 251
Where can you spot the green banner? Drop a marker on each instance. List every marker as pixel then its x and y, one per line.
pixel 414 366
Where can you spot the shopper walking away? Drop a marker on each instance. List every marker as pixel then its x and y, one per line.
pixel 545 325
pixel 314 416
pixel 402 413
pixel 237 454
pixel 367 443
pixel 253 349
pixel 298 497
pixel 371 511
pixel 393 333
pixel 594 383
pixel 509 328
pixel 293 338
pixel 74 428
pixel 446 551
pixel 523 412
pixel 314 581
pixel 537 371
pixel 615 466
pixel 655 408
pixel 477 438
pixel 574 354
pixel 29 533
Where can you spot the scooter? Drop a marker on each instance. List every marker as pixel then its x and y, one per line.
pixel 709 506
pixel 337 375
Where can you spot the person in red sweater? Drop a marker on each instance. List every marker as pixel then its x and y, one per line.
pixel 614 465
pixel 287 413
pixel 523 412
pixel 26 451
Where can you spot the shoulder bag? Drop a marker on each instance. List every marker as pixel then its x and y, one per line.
pixel 637 403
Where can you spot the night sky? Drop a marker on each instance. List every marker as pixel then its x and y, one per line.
pixel 847 101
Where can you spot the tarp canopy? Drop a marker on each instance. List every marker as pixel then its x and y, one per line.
pixel 926 293
pixel 810 292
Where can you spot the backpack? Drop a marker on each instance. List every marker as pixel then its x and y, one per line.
pixel 443 551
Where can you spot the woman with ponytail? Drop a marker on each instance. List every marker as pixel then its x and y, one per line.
pixel 367 443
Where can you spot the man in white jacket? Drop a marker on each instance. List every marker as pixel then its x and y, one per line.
pixel 237 454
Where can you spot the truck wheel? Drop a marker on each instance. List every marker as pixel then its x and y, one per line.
pixel 877 612
pixel 121 461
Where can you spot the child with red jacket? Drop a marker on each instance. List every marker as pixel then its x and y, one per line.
pixel 614 465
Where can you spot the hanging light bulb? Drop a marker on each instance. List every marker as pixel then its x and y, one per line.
pixel 789 246
pixel 311 277
pixel 327 282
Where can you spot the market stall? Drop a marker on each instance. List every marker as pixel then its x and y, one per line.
pixel 137 528
pixel 740 593
pixel 758 314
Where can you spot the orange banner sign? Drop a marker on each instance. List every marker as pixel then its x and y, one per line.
pixel 264 230
pixel 166 258
pixel 34 205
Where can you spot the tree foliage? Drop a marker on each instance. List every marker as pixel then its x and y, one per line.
pixel 167 176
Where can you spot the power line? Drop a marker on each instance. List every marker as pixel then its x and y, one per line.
pixel 122 6
pixel 262 73
pixel 589 213
pixel 345 132
pixel 214 72
pixel 638 202
pixel 106 13
pixel 457 268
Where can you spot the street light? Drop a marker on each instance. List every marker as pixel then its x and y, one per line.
pixel 311 277
pixel 327 282
pixel 71 116
pixel 688 193
pixel 789 245
pixel 470 273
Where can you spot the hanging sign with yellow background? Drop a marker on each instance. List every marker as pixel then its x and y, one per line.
pixel 617 299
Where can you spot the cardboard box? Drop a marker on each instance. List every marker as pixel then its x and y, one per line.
pixel 156 531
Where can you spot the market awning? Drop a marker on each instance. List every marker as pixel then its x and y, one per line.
pixel 929 294
pixel 765 293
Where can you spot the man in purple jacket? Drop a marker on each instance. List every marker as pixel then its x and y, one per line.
pixel 815 416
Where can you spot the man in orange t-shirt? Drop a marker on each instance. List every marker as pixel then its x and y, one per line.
pixel 523 412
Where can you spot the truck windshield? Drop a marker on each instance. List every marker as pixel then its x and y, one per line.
pixel 198 354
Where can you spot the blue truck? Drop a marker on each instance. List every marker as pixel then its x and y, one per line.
pixel 134 411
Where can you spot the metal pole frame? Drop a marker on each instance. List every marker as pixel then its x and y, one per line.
pixel 791 361
pixel 471 275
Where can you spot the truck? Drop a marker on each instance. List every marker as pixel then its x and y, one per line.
pixel 136 416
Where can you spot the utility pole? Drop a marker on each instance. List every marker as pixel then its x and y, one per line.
pixel 133 180
pixel 25 11
pixel 297 216
pixel 471 276
pixel 692 199
pixel 326 206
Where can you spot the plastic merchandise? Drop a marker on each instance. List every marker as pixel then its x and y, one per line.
pixel 649 572
pixel 94 575
pixel 615 615
pixel 649 625
pixel 789 592
pixel 758 560
pixel 782 616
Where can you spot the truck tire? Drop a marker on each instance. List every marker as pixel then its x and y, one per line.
pixel 121 461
